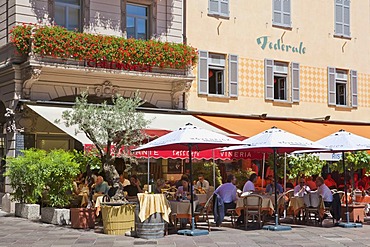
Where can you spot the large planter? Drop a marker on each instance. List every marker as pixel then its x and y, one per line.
pixel 118 219
pixel 153 227
pixel 7 205
pixel 82 218
pixel 28 211
pixel 56 216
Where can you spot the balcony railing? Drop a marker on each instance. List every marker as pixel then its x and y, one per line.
pixel 101 51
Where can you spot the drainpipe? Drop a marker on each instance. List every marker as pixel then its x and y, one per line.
pixel 7 20
pixel 184 38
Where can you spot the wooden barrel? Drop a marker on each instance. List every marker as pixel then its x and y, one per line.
pixel 152 227
pixel 117 220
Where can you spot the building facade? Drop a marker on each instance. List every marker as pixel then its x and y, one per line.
pixel 282 58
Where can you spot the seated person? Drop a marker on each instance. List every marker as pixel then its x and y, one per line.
pixel 301 189
pixel 270 188
pixel 227 192
pixel 310 183
pixel 249 185
pixel 324 191
pixel 184 190
pixel 123 180
pixel 160 184
pixel 330 182
pixel 133 189
pixel 202 184
pixel 289 185
pixel 179 182
pixel 100 188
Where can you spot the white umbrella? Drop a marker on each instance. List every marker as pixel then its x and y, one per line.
pixel 276 141
pixel 186 139
pixel 343 141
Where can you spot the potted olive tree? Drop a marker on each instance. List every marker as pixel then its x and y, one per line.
pixel 60 171
pixel 27 178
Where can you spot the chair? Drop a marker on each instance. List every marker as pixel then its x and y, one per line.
pixel 205 211
pixel 252 208
pixel 281 204
pixel 335 207
pixel 313 202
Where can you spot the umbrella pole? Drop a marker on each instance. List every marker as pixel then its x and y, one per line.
pixel 263 168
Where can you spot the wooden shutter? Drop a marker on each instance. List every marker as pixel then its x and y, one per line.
pixel 346 18
pixel 331 86
pixel 213 7
pixel 277 12
pixel 295 82
pixel 269 79
pixel 203 72
pixel 339 17
pixel 286 8
pixel 354 87
pixel 224 7
pixel 233 75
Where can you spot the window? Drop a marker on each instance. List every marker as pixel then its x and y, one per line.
pixel 218 7
pixel 68 14
pixel 212 76
pixel 137 21
pixel 281 13
pixel 340 92
pixel 280 83
pixel 342 18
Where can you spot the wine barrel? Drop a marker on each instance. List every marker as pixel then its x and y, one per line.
pixel 151 228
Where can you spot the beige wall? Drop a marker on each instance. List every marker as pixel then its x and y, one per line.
pixel 312 24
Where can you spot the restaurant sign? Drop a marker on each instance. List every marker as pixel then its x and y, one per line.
pixel 278 45
pixel 118 66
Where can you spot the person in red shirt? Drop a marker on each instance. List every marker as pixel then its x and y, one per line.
pixel 330 182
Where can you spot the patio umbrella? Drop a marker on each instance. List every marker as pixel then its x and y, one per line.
pixel 276 141
pixel 189 138
pixel 343 141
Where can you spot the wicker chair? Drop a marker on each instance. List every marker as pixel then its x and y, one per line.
pixel 313 202
pixel 253 208
pixel 206 211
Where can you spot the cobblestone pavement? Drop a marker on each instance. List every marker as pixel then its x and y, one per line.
pixel 21 232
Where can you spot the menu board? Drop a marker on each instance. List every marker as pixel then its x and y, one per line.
pixel 174 166
pixel 19 143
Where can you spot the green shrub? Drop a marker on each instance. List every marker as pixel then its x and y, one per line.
pixel 207 170
pixel 27 175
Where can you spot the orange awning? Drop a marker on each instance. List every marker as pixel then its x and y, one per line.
pixel 310 130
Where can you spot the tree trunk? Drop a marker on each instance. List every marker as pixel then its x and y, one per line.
pixel 112 178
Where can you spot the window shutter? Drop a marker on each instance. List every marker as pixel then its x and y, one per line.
pixel 346 18
pixel 269 79
pixel 339 17
pixel 224 7
pixel 286 13
pixel 213 7
pixel 295 82
pixel 277 12
pixel 331 86
pixel 354 87
pixel 203 72
pixel 233 75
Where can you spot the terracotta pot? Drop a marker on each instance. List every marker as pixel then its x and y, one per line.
pixel 82 218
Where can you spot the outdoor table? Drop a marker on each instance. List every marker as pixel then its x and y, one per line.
pixel 267 205
pixel 295 205
pixel 356 212
pixel 153 203
pixel 182 209
pixel 363 199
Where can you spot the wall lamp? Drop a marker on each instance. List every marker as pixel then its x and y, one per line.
pixel 325 119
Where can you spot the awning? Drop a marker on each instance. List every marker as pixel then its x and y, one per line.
pixel 52 113
pixel 310 130
pixel 160 123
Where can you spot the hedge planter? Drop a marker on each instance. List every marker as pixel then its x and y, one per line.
pixel 118 218
pixel 56 216
pixel 82 218
pixel 28 211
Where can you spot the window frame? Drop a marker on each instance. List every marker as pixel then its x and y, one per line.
pixel 341 82
pixel 219 68
pixel 136 17
pixel 219 13
pixel 67 6
pixel 351 87
pixel 343 24
pixel 280 23
pixel 281 75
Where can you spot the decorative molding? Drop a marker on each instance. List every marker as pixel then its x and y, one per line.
pixel 178 88
pixel 31 75
pixel 26 119
pixel 106 90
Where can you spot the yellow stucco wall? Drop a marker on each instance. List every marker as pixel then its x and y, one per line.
pixel 313 25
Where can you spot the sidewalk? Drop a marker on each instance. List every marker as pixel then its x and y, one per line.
pixel 21 232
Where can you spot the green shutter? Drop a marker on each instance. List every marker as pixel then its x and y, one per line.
pixel 354 99
pixel 203 72
pixel 331 86
pixel 269 79
pixel 295 82
pixel 233 75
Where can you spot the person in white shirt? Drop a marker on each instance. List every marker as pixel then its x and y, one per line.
pixel 249 185
pixel 202 183
pixel 227 192
pixel 301 189
pixel 324 191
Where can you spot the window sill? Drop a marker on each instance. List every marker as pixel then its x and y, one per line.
pixel 289 28
pixel 342 36
pixel 218 16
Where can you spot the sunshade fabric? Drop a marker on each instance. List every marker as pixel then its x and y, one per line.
pixel 310 130
pixel 345 141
